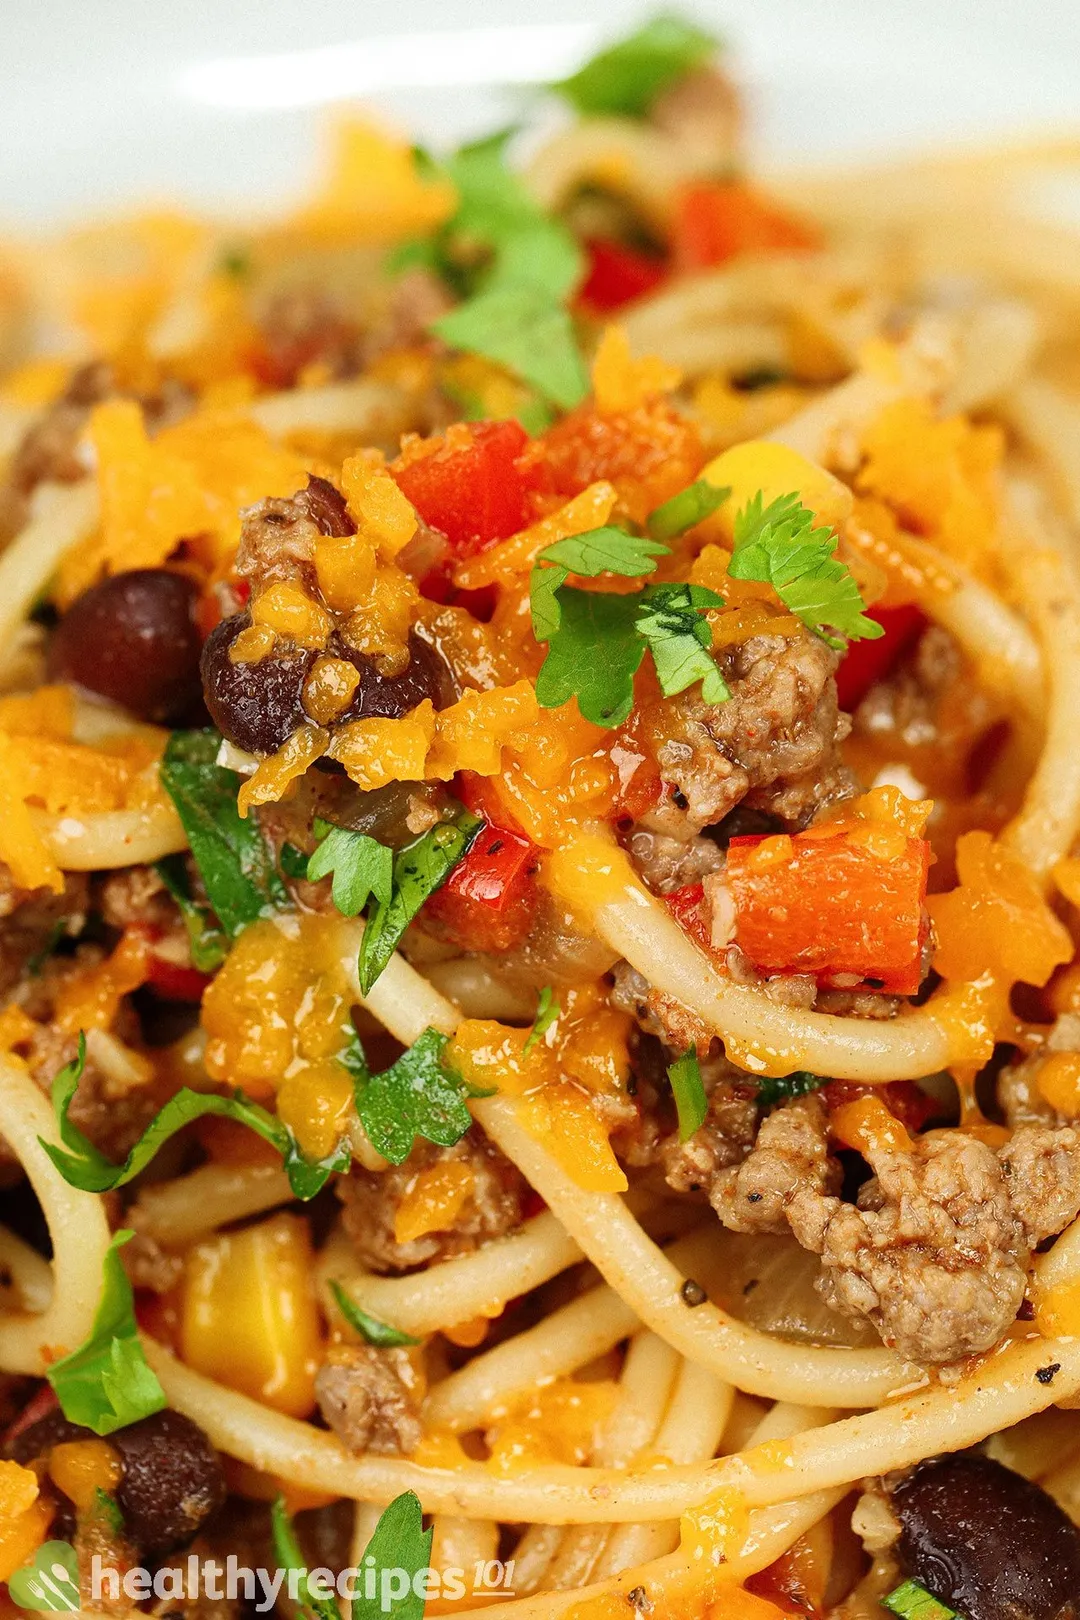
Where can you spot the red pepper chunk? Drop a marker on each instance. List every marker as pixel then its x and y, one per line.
pixel 716 220
pixel 467 483
pixel 487 902
pixel 866 662
pixel 833 908
pixel 618 275
pixel 687 906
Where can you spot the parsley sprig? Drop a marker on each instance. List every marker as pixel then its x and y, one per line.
pixel 779 545
pixel 361 867
pixel 626 78
pixel 380 1335
pixel 418 1096
pixel 417 872
pixel 913 1602
pixel 687 1087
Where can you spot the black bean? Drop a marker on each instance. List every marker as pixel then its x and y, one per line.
pixel 173 1481
pixel 133 639
pixel 425 676
pixel 986 1541
pixel 256 706
pixel 40 1437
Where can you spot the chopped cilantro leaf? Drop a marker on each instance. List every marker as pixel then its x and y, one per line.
pixel 913 1602
pixel 626 78
pixel 522 328
pixel 777 1089
pixel 548 1012
pixel 691 505
pixel 361 866
pixel 691 1104
pixel 593 655
pixel 316 1601
pixel 82 1165
pixel 379 1334
pixel 107 1382
pixel 670 621
pixel 604 551
pixel 292 861
pixel 419 869
pixel 419 1095
pixel 107 1509
pixel 399 1543
pixel 779 545
pixel 234 861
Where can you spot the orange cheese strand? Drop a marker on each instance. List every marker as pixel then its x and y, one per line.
pixel 433 1200
pixel 275 774
pixel 996 921
pixel 558 1424
pixel 91 1000
pixel 81 1468
pixel 621 383
pixel 470 735
pixel 868 1126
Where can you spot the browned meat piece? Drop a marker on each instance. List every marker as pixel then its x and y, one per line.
pixel 701 112
pixel 790 1157
pixel 493 1207
pixel 31 921
pixel 774 744
pixel 652 1137
pixel 665 864
pixel 1041 1167
pixel 303 326
pixel 656 1013
pixel 417 298
pixel 135 897
pixel 934 1255
pixel 278 535
pixel 371 1398
pixel 48 449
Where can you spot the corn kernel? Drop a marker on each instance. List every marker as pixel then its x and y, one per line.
pixel 249 1317
pixel 329 688
pixel 290 611
pixel 81 1468
pixel 345 568
pixel 759 464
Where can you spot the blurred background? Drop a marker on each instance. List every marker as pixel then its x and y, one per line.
pixel 218 101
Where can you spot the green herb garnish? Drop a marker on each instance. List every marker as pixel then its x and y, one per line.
pixel 691 505
pixel 913 1602
pixel 315 1600
pixel 235 864
pixel 84 1166
pixel 548 1012
pixel 419 870
pixel 361 866
pixel 107 1382
pixel 378 1334
pixel 687 1088
pixel 626 78
pixel 670 622
pixel 779 545
pixel 418 1096
pixel 399 1547
pixel 776 1089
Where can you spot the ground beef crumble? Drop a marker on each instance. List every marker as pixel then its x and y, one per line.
pixel 935 1251
pixel 371 1398
pixel 494 1206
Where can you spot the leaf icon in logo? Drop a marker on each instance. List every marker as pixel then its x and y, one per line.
pixel 50 1581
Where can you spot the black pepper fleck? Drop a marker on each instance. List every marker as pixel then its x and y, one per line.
pixel 679 799
pixel 639 1599
pixel 754 1198
pixel 692 1293
pixel 1026 1313
pixel 1045 1375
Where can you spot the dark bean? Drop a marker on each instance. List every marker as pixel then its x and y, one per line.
pixel 256 706
pixel 173 1480
pixel 986 1541
pixel 133 639
pixel 425 676
pixel 38 1438
pixel 326 508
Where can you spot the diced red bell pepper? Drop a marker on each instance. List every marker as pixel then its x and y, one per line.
pixel 487 902
pixel 41 1403
pixel 468 483
pixel 687 906
pixel 617 275
pixel 716 220
pixel 174 982
pixel 833 908
pixel 868 661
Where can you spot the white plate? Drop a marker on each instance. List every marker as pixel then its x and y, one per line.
pixel 217 102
